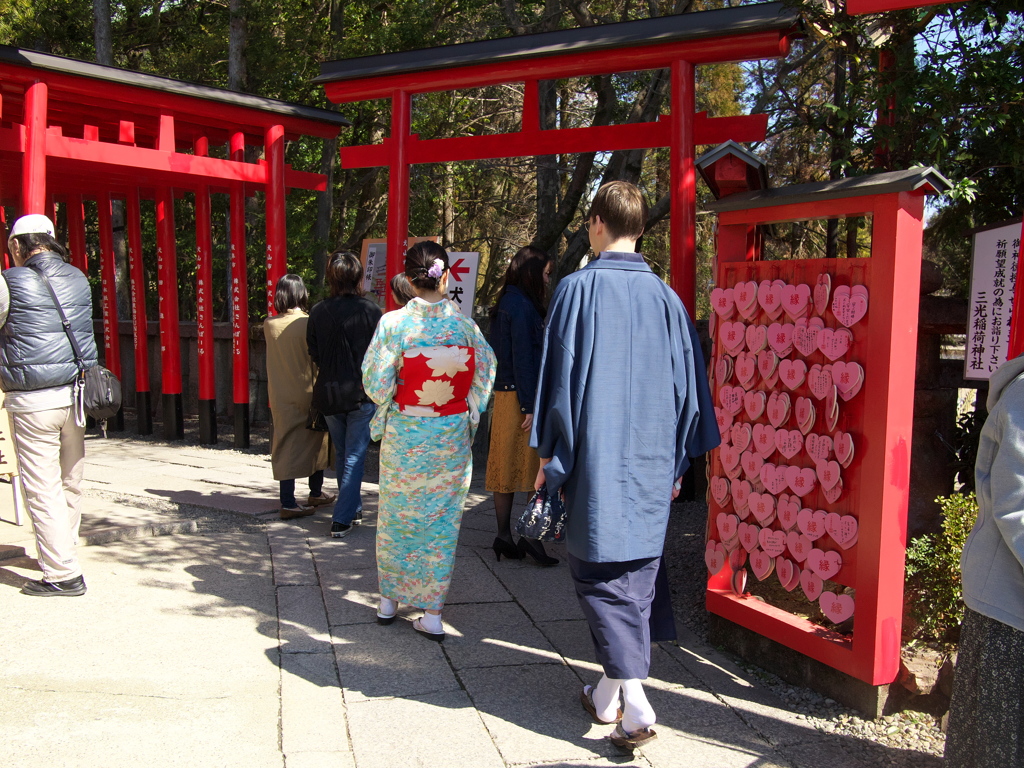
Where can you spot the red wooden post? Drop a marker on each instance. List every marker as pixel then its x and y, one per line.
pixel 683 210
pixel 1016 343
pixel 170 332
pixel 398 187
pixel 3 237
pixel 33 172
pixel 204 319
pixel 140 326
pixel 277 243
pixel 239 302
pixel 108 280
pixel 76 232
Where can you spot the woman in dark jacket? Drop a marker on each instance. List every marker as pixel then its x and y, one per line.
pixel 517 336
pixel 339 331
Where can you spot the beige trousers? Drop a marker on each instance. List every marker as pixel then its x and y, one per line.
pixel 51 459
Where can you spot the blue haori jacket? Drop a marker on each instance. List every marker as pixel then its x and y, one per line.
pixel 622 405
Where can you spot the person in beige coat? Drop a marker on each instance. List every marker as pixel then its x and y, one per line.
pixel 295 451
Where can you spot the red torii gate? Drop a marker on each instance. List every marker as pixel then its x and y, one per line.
pixel 678 43
pixel 71 129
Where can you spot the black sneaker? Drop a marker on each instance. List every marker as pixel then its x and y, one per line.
pixel 339 530
pixel 358 519
pixel 44 588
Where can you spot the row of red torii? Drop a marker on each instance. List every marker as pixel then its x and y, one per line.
pixel 71 130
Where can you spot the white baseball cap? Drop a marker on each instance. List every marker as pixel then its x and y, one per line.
pixel 33 224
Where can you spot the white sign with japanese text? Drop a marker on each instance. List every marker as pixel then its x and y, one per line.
pixel 993 278
pixel 462 280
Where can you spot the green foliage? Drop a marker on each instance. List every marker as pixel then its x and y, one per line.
pixel 934 595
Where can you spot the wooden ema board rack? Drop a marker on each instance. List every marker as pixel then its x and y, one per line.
pixel 829 527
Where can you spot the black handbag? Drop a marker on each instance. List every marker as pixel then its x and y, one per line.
pixel 544 517
pixel 315 421
pixel 97 390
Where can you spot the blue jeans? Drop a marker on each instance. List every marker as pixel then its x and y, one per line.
pixel 316 483
pixel 350 433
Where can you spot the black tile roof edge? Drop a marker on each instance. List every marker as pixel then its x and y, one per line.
pixel 64 65
pixel 760 17
pixel 854 186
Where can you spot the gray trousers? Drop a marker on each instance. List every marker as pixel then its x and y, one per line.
pixel 51 460
pixel 616 599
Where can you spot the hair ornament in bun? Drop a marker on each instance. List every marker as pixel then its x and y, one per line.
pixel 436 269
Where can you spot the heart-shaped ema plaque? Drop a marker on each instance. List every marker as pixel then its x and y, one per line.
pixel 837 608
pixel 714 557
pixel 824 563
pixel 800 480
pixel 842 528
pixel 811 584
pixel 740 491
pixel 811 523
pixel 756 337
pixel 787 509
pixel 764 440
pixel 788 573
pixel 806 414
pixel 724 419
pixel 769 296
pixel 828 473
pixel 767 363
pixel 779 406
pixel 723 301
pixel 761 564
pixel 720 490
pixel 746 369
pixel 789 442
pixel 780 338
pixel 796 300
pixel 731 399
pixel 833 344
pixel 754 404
pixel 805 337
pixel 723 369
pixel 822 289
pixel 849 378
pixel 745 296
pixel 844 448
pixel 751 463
pixel 792 373
pixel 748 536
pixel 728 527
pixel 773 478
pixel 740 435
pixel 799 545
pixel 832 494
pixel 732 336
pixel 773 543
pixel 739 582
pixel 849 305
pixel 818 447
pixel 819 379
pixel 762 505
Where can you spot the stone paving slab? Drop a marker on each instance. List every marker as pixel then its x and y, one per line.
pixel 494 635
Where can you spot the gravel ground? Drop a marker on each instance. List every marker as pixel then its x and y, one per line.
pixel 903 739
pixel 909 739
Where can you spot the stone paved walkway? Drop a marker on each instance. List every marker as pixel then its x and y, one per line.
pixel 247 641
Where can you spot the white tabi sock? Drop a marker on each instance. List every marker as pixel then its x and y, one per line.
pixel 637 712
pixel 606 698
pixel 431 622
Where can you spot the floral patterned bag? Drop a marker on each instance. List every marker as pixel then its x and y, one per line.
pixel 544 517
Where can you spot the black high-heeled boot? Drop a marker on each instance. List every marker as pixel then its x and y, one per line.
pixel 535 550
pixel 502 547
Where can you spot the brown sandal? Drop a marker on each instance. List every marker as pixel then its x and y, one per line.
pixel 587 700
pixel 631 741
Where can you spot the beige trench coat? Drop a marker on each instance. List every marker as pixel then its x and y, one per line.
pixel 295 451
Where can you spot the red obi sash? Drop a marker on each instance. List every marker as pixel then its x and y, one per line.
pixel 435 381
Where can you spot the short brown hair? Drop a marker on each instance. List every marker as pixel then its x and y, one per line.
pixel 622 208
pixel 344 274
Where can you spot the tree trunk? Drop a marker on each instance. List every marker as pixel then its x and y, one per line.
pixel 236 46
pixel 101 32
pixel 324 211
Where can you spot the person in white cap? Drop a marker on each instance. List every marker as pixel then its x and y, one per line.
pixel 37 371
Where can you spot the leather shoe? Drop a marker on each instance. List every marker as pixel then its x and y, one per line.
pixel 320 501
pixel 44 588
pixel 290 513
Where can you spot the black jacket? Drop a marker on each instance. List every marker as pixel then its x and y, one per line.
pixel 338 332
pixel 517 337
pixel 34 349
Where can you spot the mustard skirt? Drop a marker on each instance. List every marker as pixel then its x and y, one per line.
pixel 511 463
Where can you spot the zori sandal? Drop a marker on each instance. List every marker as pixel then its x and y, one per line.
pixel 587 700
pixel 419 626
pixel 630 741
pixel 387 610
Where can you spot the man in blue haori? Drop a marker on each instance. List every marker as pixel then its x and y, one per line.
pixel 622 406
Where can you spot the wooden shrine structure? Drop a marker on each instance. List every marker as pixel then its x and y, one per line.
pixel 72 130
pixel 679 43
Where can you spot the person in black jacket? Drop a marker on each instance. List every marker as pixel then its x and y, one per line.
pixel 339 331
pixel 37 375
pixel 517 337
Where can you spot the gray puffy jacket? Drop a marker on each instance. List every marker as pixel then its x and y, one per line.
pixel 35 353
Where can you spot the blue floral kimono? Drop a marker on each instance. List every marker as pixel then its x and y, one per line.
pixel 426 462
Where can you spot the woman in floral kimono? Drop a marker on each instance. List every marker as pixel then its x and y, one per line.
pixel 430 371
